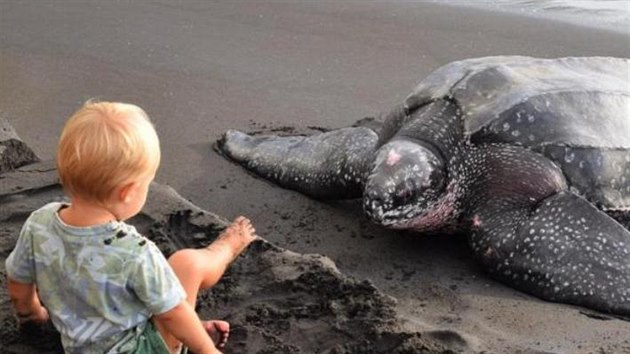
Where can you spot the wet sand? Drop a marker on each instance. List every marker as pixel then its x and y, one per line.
pixel 200 68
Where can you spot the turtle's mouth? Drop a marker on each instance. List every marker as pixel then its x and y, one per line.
pixel 421 214
pixel 384 215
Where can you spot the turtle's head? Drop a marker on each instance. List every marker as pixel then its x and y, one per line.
pixel 406 180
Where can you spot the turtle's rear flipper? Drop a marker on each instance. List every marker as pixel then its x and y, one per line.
pixel 331 165
pixel 563 250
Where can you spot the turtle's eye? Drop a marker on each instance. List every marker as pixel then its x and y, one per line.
pixel 435 180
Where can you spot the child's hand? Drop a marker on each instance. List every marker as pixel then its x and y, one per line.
pixel 27 308
pixel 38 317
pixel 239 234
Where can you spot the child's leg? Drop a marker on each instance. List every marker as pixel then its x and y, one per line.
pixel 203 268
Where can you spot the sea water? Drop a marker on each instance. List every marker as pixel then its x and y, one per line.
pixel 605 14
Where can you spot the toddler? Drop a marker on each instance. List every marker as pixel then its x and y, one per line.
pixel 106 288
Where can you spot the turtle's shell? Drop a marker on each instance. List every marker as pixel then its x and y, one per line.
pixel 576 111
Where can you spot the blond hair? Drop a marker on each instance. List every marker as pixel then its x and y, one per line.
pixel 103 146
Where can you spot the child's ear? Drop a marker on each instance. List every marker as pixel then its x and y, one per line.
pixel 124 193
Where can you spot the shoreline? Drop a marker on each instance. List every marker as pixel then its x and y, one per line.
pixel 555 14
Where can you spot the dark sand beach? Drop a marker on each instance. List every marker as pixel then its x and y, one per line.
pixel 327 280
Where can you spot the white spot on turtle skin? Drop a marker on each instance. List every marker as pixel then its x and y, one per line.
pixel 569 155
pixel 506 126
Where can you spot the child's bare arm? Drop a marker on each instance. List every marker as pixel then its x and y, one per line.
pixel 25 302
pixel 184 324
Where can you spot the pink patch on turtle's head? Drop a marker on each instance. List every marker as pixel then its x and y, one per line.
pixel 476 221
pixel 393 157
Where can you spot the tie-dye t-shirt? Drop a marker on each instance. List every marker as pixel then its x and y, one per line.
pixel 100 284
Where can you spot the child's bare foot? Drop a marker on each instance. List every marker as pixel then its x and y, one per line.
pixel 239 235
pixel 219 331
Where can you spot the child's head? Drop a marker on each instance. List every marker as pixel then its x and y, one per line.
pixel 103 146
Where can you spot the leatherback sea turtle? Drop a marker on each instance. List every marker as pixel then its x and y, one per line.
pixel 529 157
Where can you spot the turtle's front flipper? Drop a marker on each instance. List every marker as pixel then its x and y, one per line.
pixel 533 234
pixel 331 165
